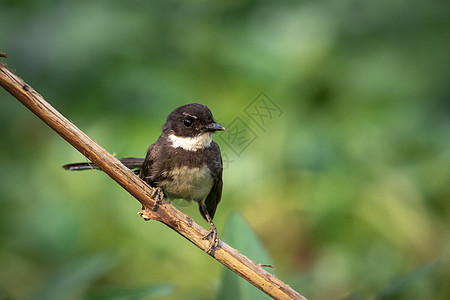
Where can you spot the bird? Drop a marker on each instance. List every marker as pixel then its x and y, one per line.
pixel 184 163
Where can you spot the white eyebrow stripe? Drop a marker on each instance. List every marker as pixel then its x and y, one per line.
pixel 186 114
pixel 191 143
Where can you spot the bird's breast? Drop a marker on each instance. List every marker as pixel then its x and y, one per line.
pixel 188 183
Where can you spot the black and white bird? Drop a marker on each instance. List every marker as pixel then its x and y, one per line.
pixel 184 163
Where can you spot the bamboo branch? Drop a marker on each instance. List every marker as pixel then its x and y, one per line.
pixel 166 213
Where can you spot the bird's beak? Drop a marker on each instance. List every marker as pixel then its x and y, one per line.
pixel 214 127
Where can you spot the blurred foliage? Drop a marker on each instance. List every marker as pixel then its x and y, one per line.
pixel 72 279
pixel 239 235
pixel 348 189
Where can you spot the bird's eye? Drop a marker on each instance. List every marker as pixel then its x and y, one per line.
pixel 187 122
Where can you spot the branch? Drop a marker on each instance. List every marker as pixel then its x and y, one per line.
pixel 166 213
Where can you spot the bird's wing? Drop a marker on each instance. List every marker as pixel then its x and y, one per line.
pixel 216 167
pixel 213 198
pixel 146 168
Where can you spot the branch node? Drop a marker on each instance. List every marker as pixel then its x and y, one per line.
pixel 149 214
pixel 266 266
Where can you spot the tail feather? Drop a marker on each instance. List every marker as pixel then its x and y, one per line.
pixel 129 162
pixel 79 166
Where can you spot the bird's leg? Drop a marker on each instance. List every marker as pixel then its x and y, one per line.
pixel 212 232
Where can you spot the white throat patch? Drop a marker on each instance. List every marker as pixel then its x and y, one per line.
pixel 192 143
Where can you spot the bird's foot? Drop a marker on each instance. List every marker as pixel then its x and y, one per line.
pixel 149 214
pixel 158 196
pixel 213 238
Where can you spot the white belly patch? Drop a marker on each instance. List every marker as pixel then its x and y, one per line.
pixel 188 183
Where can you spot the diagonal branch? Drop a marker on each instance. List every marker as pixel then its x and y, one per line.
pixel 140 190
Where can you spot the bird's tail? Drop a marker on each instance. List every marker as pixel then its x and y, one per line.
pixel 129 162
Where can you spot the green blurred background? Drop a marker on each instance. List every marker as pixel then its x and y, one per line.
pixel 347 186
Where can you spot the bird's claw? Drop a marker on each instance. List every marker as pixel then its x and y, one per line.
pixel 149 213
pixel 158 196
pixel 213 238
